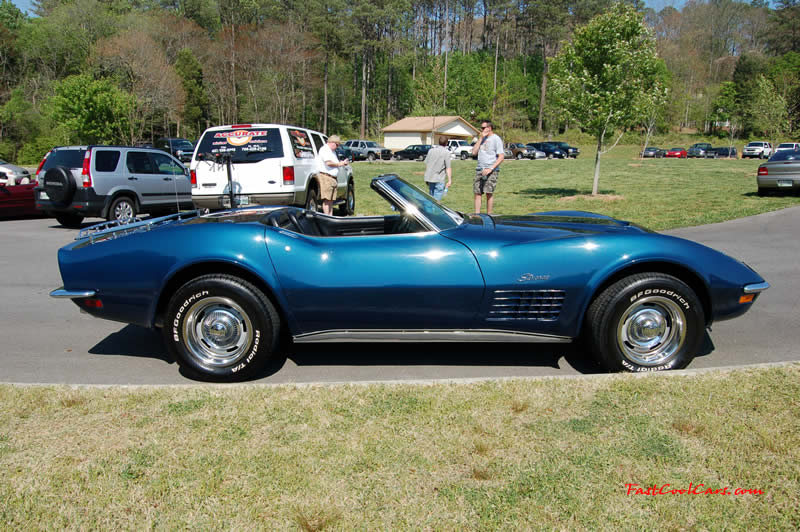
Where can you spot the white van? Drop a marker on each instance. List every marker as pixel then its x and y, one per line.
pixel 271 164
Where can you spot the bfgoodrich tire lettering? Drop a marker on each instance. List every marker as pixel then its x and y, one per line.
pixel 220 327
pixel 646 322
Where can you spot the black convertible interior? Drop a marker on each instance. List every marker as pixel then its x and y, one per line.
pixel 314 224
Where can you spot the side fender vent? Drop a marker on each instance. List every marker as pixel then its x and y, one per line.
pixel 539 305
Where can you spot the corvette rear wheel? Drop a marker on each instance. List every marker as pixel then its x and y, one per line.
pixel 221 328
pixel 646 322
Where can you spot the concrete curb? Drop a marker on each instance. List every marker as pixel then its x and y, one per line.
pixel 415 382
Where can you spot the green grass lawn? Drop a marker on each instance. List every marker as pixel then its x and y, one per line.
pixel 509 455
pixel 657 193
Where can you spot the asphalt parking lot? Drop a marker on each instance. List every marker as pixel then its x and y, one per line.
pixel 50 341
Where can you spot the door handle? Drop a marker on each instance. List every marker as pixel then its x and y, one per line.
pixel 167 179
pixel 133 179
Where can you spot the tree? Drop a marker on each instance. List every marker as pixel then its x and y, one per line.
pixel 607 77
pixel 769 109
pixel 94 110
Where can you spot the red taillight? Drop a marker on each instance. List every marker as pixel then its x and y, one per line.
pixel 87 176
pixel 762 170
pixel 241 125
pixel 193 178
pixel 39 169
pixel 93 303
pixel 288 175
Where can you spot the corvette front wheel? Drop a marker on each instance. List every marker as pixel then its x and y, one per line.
pixel 221 328
pixel 646 322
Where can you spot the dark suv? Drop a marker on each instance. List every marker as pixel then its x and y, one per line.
pixel 112 182
pixel 181 149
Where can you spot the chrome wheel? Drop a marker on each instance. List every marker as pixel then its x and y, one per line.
pixel 651 331
pixel 218 332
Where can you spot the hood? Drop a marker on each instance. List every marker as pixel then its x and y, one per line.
pixel 559 224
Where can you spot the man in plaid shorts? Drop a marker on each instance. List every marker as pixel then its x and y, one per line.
pixel 489 150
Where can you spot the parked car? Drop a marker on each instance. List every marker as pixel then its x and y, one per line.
pixel 698 149
pixel 791 146
pixel 722 151
pixel 271 164
pixel 654 152
pixel 182 149
pixel 758 149
pixel 112 182
pixel 20 175
pixel 424 273
pixel 521 151
pixel 571 151
pixel 368 149
pixel 18 199
pixel 676 152
pixel 781 173
pixel 415 152
pixel 550 150
pixel 460 149
pixel 343 152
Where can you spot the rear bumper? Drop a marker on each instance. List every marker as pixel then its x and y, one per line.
pixel 779 183
pixel 84 202
pixel 220 201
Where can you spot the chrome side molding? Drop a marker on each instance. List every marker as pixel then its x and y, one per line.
pixel 436 335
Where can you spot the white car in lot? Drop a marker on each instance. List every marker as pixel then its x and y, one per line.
pixel 270 164
pixel 788 146
pixel 757 149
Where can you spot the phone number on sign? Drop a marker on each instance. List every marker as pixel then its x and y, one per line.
pixel 694 489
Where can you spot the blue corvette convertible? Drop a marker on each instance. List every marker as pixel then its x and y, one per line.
pixel 224 287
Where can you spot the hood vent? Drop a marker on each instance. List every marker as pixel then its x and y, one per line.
pixel 540 305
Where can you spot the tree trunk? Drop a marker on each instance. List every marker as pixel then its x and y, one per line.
pixel 325 96
pixel 494 90
pixel 596 182
pixel 363 129
pixel 542 91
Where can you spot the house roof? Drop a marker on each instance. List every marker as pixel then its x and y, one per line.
pixel 426 123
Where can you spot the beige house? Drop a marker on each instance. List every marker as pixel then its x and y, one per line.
pixel 427 130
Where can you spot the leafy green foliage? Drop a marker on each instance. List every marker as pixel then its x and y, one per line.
pixel 608 77
pixel 94 111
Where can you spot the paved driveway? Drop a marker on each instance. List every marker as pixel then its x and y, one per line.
pixel 49 341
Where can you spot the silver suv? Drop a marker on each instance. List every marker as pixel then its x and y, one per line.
pixel 112 182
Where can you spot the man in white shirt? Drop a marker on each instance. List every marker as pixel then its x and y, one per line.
pixel 328 165
pixel 489 150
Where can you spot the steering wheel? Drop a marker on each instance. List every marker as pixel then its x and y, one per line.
pixel 295 222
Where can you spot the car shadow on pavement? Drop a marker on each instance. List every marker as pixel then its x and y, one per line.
pixel 443 354
pixel 134 341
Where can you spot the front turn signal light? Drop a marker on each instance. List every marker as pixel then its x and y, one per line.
pixel 747 298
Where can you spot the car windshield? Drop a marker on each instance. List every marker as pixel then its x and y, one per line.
pixel 68 158
pixel 419 202
pixel 372 145
pixel 786 146
pixel 786 155
pixel 676 149
pixel 182 144
pixel 754 145
pixel 245 145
